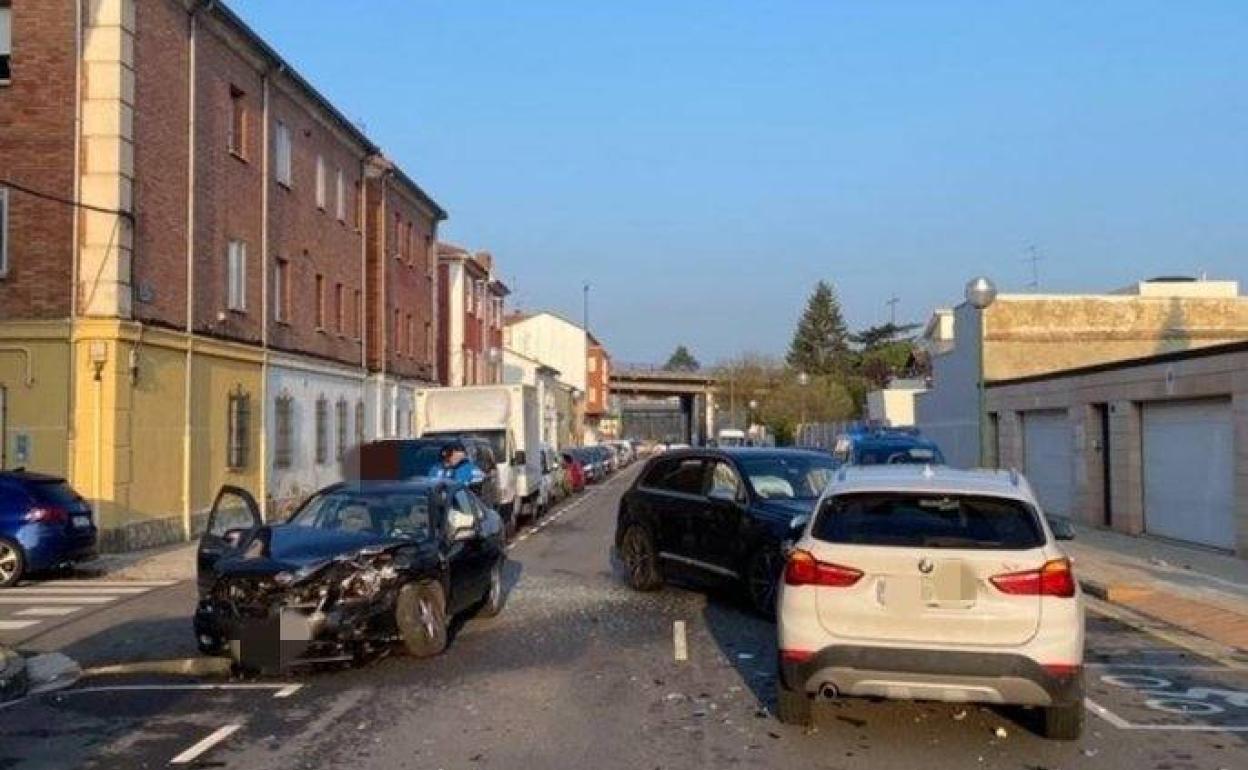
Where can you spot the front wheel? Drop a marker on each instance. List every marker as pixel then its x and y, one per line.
pixel 762 578
pixel 494 599
pixel 641 558
pixel 420 614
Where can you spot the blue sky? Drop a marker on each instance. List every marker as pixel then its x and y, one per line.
pixel 703 162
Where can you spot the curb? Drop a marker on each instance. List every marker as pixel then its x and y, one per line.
pixel 14 678
pixel 1112 592
pixel 200 667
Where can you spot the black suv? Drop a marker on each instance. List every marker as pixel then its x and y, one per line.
pixel 724 513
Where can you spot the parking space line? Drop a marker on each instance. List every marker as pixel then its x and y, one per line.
pixel 288 691
pixel 218 735
pixel 104 583
pixel 93 599
pixel 1106 714
pixel 47 612
pixel 76 591
pixel 679 641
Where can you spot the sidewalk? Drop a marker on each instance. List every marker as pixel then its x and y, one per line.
pixel 170 562
pixel 1202 592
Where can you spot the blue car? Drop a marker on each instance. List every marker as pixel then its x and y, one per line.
pixel 44 524
pixel 886 446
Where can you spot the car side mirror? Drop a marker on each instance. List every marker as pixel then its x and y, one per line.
pixel 463 526
pixel 519 458
pixel 1063 528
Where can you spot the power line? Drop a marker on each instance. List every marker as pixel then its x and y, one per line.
pixel 64 201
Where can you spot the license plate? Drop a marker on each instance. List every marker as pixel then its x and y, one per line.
pixel 82 522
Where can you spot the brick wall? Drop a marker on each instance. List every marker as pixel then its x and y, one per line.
pixel 36 151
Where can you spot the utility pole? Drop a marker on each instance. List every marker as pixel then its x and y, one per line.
pixel 1034 258
pixel 892 309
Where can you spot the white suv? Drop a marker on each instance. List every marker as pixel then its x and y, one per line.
pixel 928 583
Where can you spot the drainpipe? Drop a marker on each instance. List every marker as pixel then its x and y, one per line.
pixel 264 298
pixel 361 312
pixel 74 250
pixel 384 312
pixel 187 529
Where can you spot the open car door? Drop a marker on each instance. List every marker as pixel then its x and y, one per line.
pixel 234 518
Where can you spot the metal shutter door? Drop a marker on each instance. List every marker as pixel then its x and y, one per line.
pixel 1047 459
pixel 1188 461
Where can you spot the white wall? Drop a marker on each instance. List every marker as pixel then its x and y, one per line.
pixel 518 369
pixel 948 412
pixel 455 323
pixel 554 342
pixel 892 406
pixel 305 383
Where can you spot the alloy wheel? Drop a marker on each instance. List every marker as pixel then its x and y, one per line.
pixel 9 561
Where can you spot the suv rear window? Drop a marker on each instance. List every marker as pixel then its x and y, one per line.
pixel 58 493
pixel 929 521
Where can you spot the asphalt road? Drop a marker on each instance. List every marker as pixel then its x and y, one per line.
pixel 578 672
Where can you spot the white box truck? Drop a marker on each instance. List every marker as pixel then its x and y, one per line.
pixel 509 418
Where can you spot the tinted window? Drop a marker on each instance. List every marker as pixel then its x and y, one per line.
pixel 57 493
pixel 788 477
pixel 398 513
pixel 928 521
pixel 495 439
pixel 677 475
pixel 898 454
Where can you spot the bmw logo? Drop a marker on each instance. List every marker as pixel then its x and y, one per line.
pixel 926 566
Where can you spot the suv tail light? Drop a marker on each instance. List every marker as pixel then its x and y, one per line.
pixel 1055 578
pixel 47 514
pixel 803 569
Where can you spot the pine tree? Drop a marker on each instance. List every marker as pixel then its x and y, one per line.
pixel 821 342
pixel 682 360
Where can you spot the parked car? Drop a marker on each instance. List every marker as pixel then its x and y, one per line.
pixel 357 565
pixel 575 472
pixel 552 479
pixel 591 462
pixel 406 459
pixel 724 513
pixel 932 584
pixel 44 524
pixel 886 446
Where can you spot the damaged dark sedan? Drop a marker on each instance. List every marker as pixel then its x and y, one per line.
pixel 355 570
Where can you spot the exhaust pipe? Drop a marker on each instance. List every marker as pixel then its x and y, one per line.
pixel 828 691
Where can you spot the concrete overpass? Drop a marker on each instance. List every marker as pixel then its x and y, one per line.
pixel 642 391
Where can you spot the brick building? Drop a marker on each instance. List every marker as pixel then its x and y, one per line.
pixel 244 288
pixel 471 304
pixel 597 390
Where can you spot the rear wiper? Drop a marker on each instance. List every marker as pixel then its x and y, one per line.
pixel 955 542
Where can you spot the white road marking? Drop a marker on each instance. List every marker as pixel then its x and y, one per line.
pixel 189 756
pixel 1106 714
pixel 105 583
pixel 14 625
pixel 82 591
pixel 47 612
pixel 58 599
pixel 679 641
pixel 288 691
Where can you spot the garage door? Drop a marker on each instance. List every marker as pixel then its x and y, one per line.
pixel 1047 459
pixel 1188 471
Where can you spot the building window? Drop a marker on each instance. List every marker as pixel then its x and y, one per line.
pixel 340 197
pixel 236 278
pixel 428 340
pixel 358 200
pixel 6 40
pixel 238 122
pixel 320 301
pixel 409 335
pixel 339 307
pixel 322 430
pixel 397 238
pixel 283 409
pixel 357 315
pixel 341 409
pixel 397 331
pixel 468 308
pixel 281 292
pixel 281 153
pixel 4 225
pixel 237 424
pixel 320 182
pixel 359 422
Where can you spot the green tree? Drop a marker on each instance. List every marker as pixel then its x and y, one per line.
pixel 681 360
pixel 874 337
pixel 821 342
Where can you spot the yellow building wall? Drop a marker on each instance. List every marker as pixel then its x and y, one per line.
pixel 34 368
pixel 217 372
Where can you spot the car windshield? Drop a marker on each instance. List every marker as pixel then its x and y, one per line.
pixel 425 456
pixel 398 513
pixel 928 521
pixel 496 438
pixel 788 477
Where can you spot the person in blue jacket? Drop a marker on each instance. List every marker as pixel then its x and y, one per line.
pixel 455 465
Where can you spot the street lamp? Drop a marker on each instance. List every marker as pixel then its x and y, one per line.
pixel 803 379
pixel 980 293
